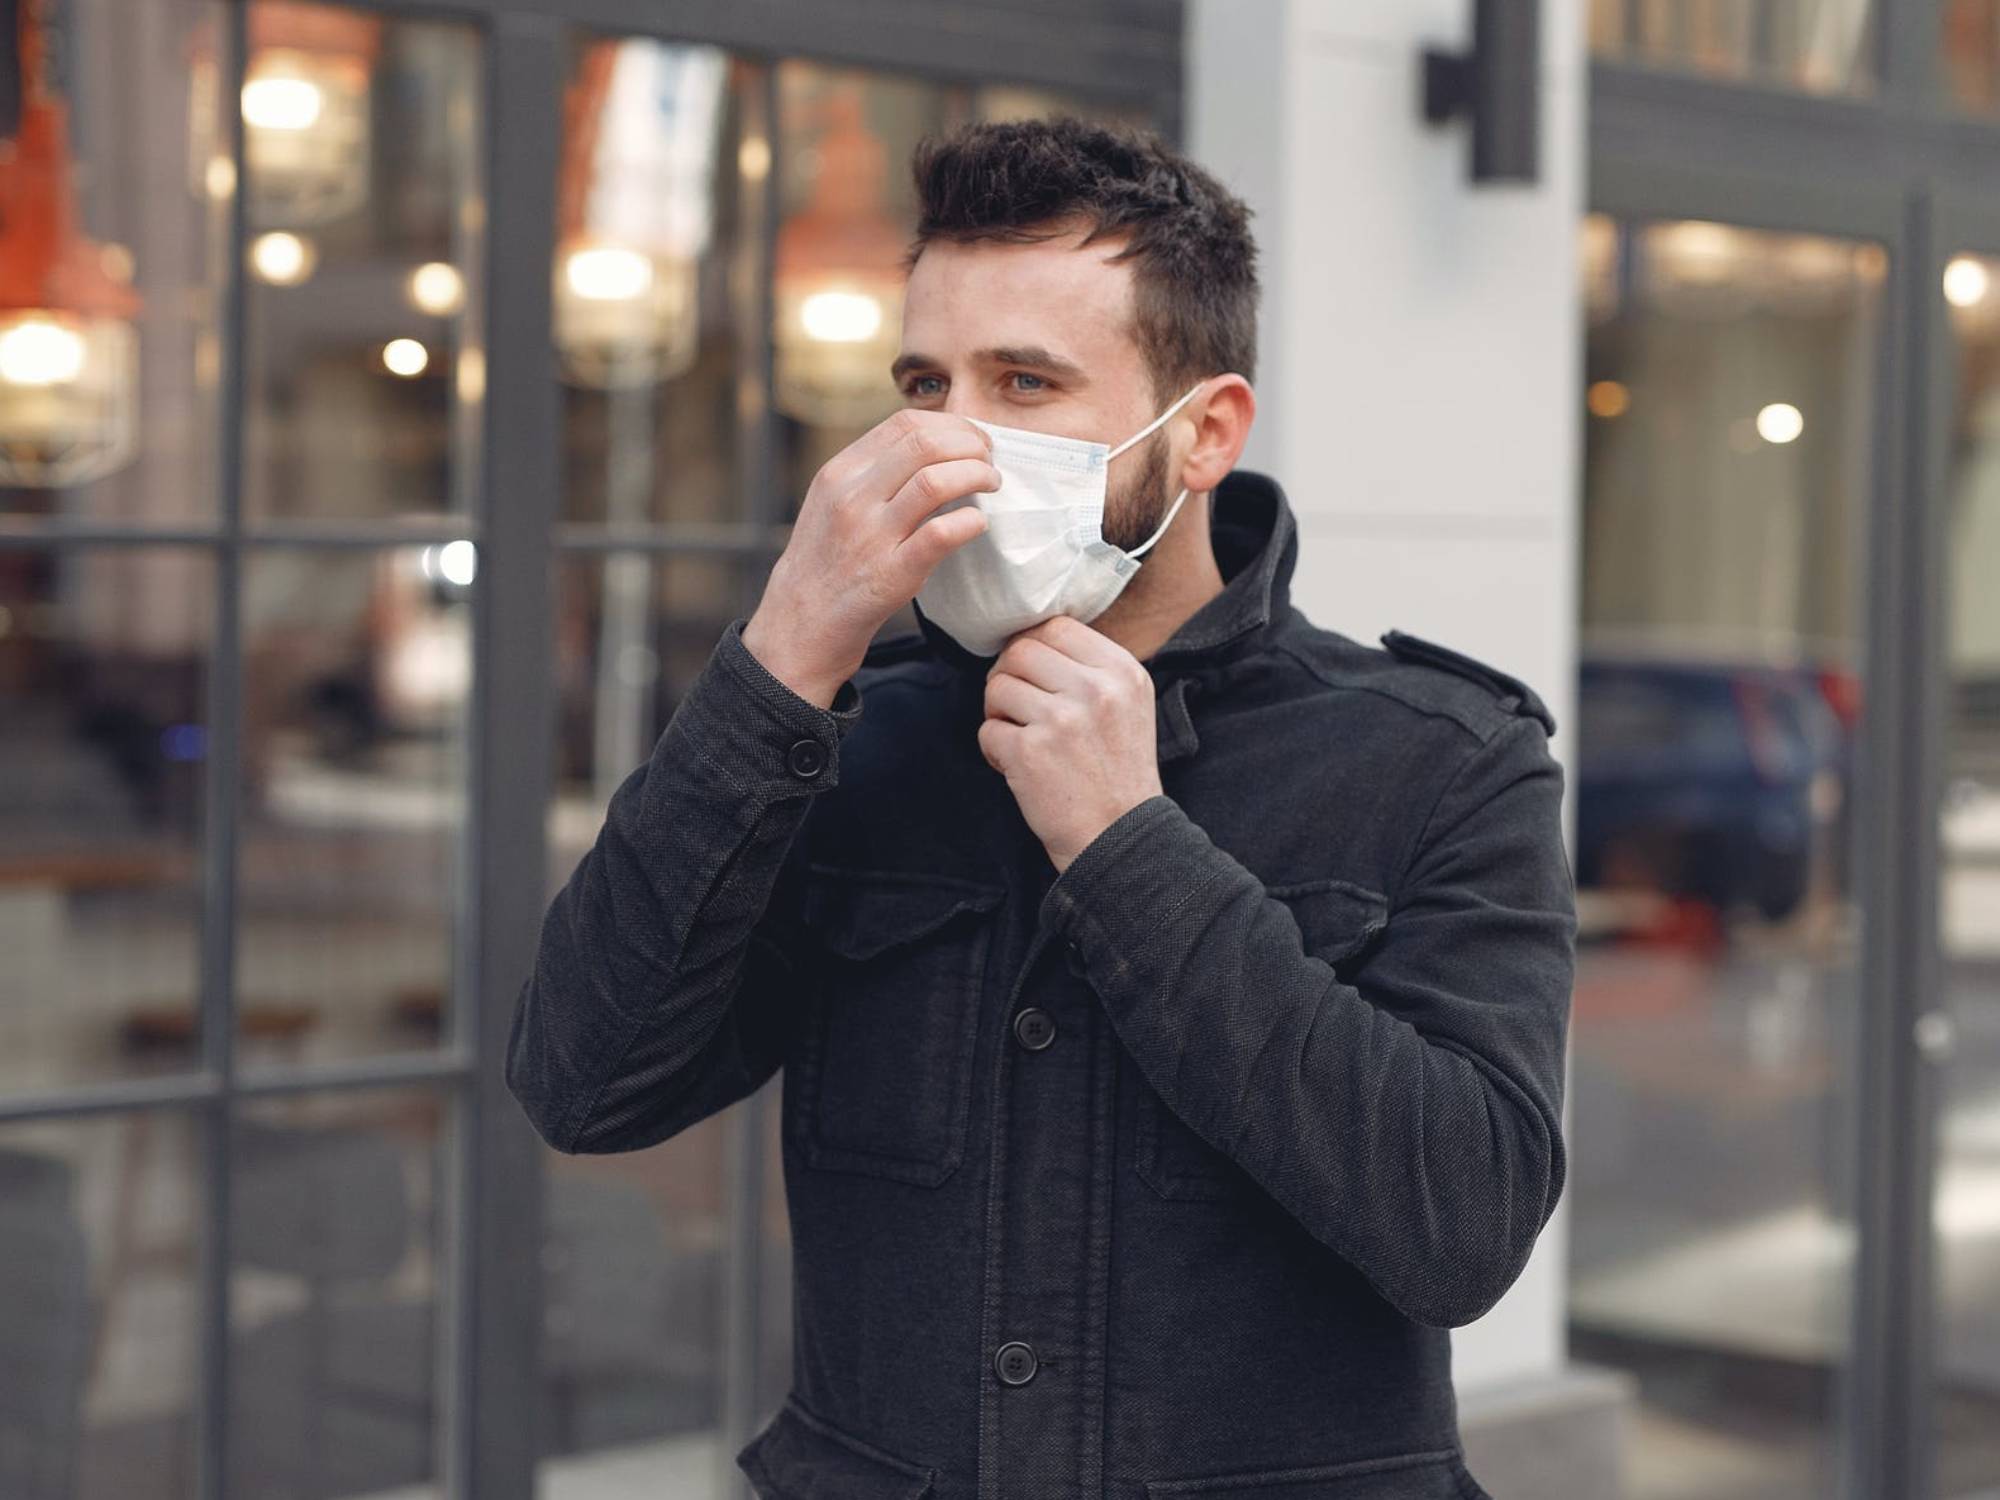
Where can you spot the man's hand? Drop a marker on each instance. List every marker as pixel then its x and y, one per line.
pixel 865 542
pixel 1070 725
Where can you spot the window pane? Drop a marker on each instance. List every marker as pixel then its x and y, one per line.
pixel 632 631
pixel 657 281
pixel 338 1292
pixel 99 1329
pixel 104 660
pixel 364 367
pixel 845 139
pixel 1819 46
pixel 108 351
pixel 1967 1210
pixel 357 664
pixel 637 1248
pixel 1727 468
pixel 1972 53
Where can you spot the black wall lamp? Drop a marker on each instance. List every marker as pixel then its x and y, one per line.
pixel 1497 84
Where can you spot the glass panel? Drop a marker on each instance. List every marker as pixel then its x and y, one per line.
pixel 1730 388
pixel 632 630
pixel 104 662
pixel 665 154
pixel 99 1331
pixel 357 665
pixel 364 366
pixel 1972 53
pixel 1967 1207
pixel 637 1243
pixel 845 139
pixel 1819 46
pixel 336 1295
pixel 109 269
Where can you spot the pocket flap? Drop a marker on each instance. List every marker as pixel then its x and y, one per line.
pixel 1336 917
pixel 800 1457
pixel 858 913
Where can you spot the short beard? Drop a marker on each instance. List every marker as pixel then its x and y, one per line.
pixel 1135 512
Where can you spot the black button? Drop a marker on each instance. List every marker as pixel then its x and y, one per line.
pixel 1034 1028
pixel 1015 1363
pixel 806 758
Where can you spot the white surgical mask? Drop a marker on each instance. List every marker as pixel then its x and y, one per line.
pixel 1043 552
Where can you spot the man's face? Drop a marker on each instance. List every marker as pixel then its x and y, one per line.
pixel 1039 336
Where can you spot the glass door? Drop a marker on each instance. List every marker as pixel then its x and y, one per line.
pixel 1962 1035
pixel 1731 374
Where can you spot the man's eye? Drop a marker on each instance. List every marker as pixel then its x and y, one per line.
pixel 917 385
pixel 1040 384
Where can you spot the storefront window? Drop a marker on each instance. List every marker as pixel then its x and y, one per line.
pixel 1730 378
pixel 365 371
pixel 1819 46
pixel 1963 1037
pixel 1972 53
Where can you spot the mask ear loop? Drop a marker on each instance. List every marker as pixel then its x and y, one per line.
pixel 1143 432
pixel 1151 426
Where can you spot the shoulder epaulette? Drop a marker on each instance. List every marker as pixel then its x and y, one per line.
pixel 1515 695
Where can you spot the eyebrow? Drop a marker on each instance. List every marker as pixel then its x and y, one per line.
pixel 1033 356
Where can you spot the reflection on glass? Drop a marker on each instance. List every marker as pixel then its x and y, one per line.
pixel 104 660
pixel 1972 53
pixel 357 664
pixel 637 1245
pixel 1967 1206
pixel 634 1262
pixel 108 271
pixel 99 1335
pixel 364 364
pixel 665 152
pixel 845 139
pixel 1820 46
pixel 1728 385
pixel 632 631
pixel 337 1291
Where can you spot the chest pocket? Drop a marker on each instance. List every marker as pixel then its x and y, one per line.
pixel 1339 922
pixel 884 1072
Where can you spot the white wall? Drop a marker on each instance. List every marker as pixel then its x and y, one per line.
pixel 1419 383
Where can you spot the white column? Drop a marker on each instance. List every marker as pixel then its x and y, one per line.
pixel 1419 385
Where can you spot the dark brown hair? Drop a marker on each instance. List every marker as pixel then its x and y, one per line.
pixel 1194 277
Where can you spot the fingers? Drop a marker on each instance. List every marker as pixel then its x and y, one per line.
pixel 1037 661
pixel 1015 698
pixel 901 444
pixel 938 484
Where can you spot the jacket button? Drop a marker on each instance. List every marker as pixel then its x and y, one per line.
pixel 806 758
pixel 1015 1363
pixel 1034 1028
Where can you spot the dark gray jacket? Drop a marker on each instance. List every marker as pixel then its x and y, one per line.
pixel 1164 1177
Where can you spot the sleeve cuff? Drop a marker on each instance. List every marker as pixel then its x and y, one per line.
pixel 751 722
pixel 1133 876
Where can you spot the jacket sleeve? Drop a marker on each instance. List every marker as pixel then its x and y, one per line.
pixel 1410 1120
pixel 660 991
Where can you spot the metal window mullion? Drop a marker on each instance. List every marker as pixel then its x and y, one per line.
pixel 496 1375
pixel 225 719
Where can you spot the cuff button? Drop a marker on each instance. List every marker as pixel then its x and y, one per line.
pixel 806 758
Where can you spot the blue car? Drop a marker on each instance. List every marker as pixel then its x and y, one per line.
pixel 1712 780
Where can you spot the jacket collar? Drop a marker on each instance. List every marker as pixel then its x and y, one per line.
pixel 1255 537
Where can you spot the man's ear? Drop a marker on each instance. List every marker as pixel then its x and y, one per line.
pixel 1222 417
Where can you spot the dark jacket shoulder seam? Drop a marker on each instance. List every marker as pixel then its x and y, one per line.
pixel 1317 671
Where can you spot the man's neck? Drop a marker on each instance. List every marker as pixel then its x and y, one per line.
pixel 1176 578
